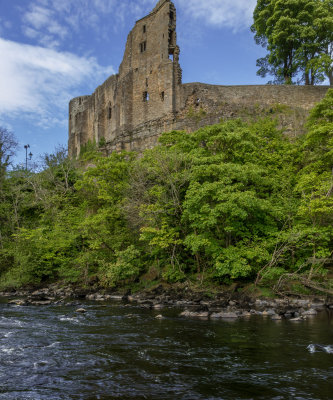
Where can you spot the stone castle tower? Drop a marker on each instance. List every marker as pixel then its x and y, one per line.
pixel 145 89
pixel 131 109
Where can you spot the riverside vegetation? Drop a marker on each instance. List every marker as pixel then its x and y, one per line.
pixel 231 203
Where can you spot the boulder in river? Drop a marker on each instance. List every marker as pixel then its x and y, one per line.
pixel 224 315
pixel 312 311
pixel 194 314
pixel 18 302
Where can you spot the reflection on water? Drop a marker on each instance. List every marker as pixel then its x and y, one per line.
pixel 121 352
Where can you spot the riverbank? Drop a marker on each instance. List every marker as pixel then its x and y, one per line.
pixel 226 304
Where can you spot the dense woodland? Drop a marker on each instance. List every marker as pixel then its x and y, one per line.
pixel 234 202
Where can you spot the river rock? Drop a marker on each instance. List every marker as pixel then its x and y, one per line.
pixel 145 302
pixel 94 296
pixel 225 315
pixel 245 314
pixel 158 306
pixel 312 311
pixel 18 302
pixel 194 314
pixel 269 312
pixel 100 297
pixel 117 297
pixel 276 317
pixel 318 305
pixel 41 302
pixel 81 310
pixel 300 303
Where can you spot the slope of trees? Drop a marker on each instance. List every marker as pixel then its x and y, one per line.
pixel 234 201
pixel 298 35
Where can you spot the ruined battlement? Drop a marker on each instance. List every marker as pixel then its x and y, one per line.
pixel 132 108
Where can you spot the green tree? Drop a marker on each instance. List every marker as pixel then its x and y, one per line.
pixel 238 198
pixel 316 177
pixel 8 145
pixel 298 35
pixel 158 184
pixel 105 233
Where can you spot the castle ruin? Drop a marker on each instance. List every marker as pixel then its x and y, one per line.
pixel 147 97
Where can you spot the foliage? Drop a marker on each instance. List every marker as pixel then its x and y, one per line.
pixel 102 142
pixel 197 115
pixel 8 145
pixel 298 35
pixel 233 201
pixel 125 268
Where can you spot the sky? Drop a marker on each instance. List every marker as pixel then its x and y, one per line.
pixel 54 50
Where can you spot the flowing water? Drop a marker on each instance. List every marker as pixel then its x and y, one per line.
pixel 118 351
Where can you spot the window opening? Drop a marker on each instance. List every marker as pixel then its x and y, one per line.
pixel 145 96
pixel 144 29
pixel 171 36
pixel 143 47
pixel 162 96
pixel 110 112
pixel 171 15
pixel 171 57
pixel 147 82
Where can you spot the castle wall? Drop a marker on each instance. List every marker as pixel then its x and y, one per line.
pixel 131 109
pixel 203 104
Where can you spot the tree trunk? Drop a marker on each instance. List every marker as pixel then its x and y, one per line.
pixel 330 77
pixel 312 78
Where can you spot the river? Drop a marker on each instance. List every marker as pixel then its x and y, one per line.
pixel 119 351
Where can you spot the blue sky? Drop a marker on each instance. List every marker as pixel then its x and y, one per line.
pixel 54 50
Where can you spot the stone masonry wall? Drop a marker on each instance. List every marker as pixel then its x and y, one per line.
pixel 132 108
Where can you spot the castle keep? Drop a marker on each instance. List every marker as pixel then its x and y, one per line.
pixel 132 108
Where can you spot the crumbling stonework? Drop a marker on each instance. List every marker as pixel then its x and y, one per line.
pixel 131 109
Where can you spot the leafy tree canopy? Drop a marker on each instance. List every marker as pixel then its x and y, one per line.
pixel 298 35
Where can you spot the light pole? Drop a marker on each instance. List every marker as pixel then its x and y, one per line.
pixel 27 146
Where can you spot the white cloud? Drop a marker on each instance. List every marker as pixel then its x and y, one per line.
pixel 235 14
pixel 57 18
pixel 30 32
pixel 41 81
pixel 41 22
pixel 38 17
pixel 4 24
